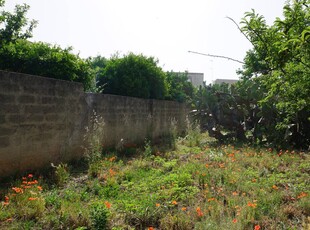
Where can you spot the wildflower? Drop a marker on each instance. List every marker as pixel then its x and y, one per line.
pixel 112 159
pixel 107 204
pixel 238 210
pixel 275 187
pixel 17 190
pixel 183 208
pixel 211 199
pixel 199 212
pixel 207 166
pixel 235 193
pixel 28 186
pixel 40 188
pixel 30 175
pixel 253 180
pixel 150 228
pixel 112 172
pixel 234 221
pixel 6 200
pixel 32 198
pixel 253 205
pixel 222 165
pixel 301 195
pixel 174 202
pixel 24 178
pixel 256 227
pixel 157 204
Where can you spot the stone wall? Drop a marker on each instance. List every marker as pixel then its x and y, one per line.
pixel 43 120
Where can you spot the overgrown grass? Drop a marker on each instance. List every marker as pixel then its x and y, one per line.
pixel 194 186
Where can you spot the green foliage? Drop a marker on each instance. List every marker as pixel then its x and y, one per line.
pixel 12 25
pixel 218 187
pixel 280 61
pixel 179 87
pixel 20 55
pixel 271 102
pixel 45 60
pixel 52 201
pixel 97 64
pixel 147 148
pixel 219 112
pixel 93 137
pixel 192 133
pixel 179 221
pixel 135 76
pixel 61 174
pixel 99 215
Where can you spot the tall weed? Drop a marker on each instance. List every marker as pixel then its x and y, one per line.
pixel 193 136
pixel 93 138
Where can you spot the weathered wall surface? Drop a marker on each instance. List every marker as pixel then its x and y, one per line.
pixel 43 120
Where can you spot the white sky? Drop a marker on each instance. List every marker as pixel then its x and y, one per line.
pixel 164 29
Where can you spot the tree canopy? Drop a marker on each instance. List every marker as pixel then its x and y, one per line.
pixel 15 25
pixel 19 54
pixel 280 60
pixel 272 99
pixel 133 75
pixel 179 87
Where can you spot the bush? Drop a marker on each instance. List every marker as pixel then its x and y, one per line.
pixel 133 75
pixel 99 216
pixel 20 55
pixel 42 59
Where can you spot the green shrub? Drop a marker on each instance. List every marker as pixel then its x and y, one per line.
pixel 61 174
pixel 135 76
pixel 99 216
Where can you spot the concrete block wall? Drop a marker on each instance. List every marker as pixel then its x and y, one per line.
pixel 43 120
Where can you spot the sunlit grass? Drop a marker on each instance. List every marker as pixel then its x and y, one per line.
pixel 196 185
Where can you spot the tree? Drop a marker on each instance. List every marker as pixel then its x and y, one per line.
pixel 280 60
pixel 135 76
pixel 179 87
pixel 219 112
pixel 271 102
pixel 13 24
pixel 97 64
pixel 45 60
pixel 38 58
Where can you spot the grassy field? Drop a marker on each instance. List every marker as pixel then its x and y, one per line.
pixel 194 185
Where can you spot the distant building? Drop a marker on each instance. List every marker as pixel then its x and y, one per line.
pixel 227 81
pixel 196 79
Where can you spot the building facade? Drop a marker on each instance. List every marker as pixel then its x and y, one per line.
pixel 227 81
